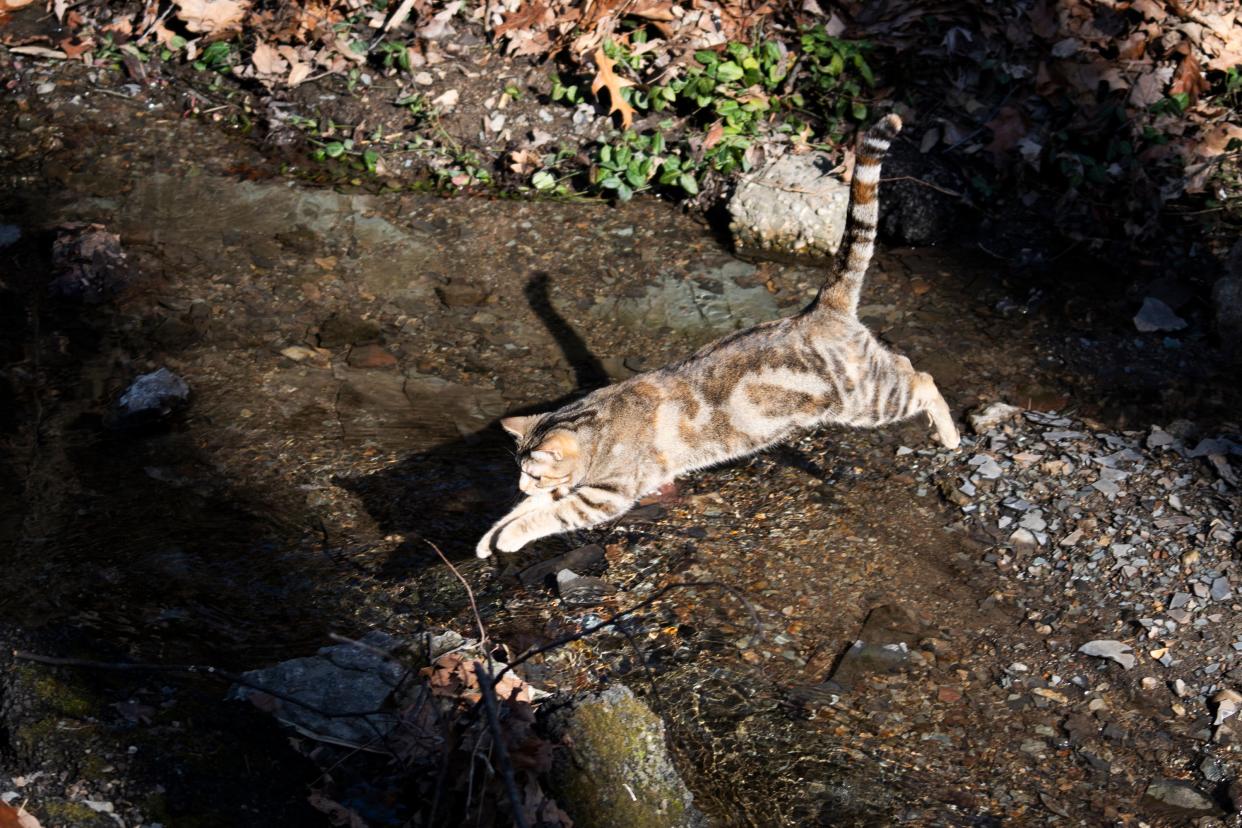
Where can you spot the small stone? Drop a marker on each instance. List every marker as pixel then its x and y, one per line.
pixel 371 356
pixel 948 695
pixel 1157 316
pixel 1023 540
pixel 1212 769
pixel 1050 695
pixel 992 416
pixel 1221 590
pixel 458 294
pixel 1149 683
pixel 1107 648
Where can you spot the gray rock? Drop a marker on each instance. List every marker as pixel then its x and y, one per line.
pixel 618 772
pixel 1157 316
pixel 791 207
pixel 1179 796
pixel 1107 648
pixel 153 395
pixel 341 679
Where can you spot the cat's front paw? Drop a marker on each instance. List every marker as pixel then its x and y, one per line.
pixel 499 539
pixel 483 549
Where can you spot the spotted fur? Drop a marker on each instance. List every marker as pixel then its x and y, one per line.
pixel 589 461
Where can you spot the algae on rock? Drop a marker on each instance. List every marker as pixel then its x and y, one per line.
pixel 618 772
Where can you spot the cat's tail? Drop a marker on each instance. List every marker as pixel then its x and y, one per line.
pixel 857 245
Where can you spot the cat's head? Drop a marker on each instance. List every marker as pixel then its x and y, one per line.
pixel 549 454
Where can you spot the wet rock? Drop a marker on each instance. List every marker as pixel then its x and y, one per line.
pixel 342 329
pixel 300 240
pixel 1178 799
pixel 883 646
pixel 584 558
pixel 618 772
pixel 687 305
pixel 88 264
pixel 792 207
pixel 341 679
pixel 151 397
pixel 582 590
pixel 371 356
pixel 459 293
pixel 1157 316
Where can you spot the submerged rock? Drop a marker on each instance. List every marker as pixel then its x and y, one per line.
pixel 341 691
pixel 618 772
pixel 88 264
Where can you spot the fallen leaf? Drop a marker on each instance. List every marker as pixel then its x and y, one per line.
pixel 1188 80
pixel 11 5
pixel 714 133
pixel 73 51
pixel 267 60
pixel 1008 128
pixel 1149 88
pixel 11 817
pixel 606 78
pixel 211 16
pixel 39 51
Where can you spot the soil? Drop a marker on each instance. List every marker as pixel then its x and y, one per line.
pixel 348 355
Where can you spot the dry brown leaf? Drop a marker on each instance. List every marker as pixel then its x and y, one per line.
pixel 527 16
pixel 1149 87
pixel 1188 80
pixel 11 817
pixel 73 50
pixel 606 78
pixel 11 5
pixel 714 133
pixel 38 51
pixel 212 16
pixel 1008 128
pixel 267 60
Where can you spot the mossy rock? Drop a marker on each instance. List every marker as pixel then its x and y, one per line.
pixel 618 772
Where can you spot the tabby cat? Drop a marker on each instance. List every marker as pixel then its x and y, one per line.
pixel 591 460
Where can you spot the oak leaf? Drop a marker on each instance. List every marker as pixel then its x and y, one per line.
pixel 606 78
pixel 211 16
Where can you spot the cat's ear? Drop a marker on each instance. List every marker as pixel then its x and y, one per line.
pixel 560 445
pixel 518 426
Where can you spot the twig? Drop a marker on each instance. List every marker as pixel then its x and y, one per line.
pixel 488 692
pixel 469 594
pixel 660 593
pixel 396 19
pixel 927 184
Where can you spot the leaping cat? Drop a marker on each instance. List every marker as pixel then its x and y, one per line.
pixel 588 462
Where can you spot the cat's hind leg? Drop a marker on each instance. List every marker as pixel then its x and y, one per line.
pixel 538 517
pixel 925 396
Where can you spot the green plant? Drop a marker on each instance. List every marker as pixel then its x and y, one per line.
pixel 394 55
pixel 569 93
pixel 217 57
pixel 837 70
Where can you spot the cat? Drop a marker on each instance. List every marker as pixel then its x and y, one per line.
pixel 589 461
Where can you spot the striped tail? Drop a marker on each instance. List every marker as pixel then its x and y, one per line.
pixel 858 243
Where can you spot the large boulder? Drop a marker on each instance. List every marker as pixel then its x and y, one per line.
pixel 792 206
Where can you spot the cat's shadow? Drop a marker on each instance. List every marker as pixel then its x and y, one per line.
pixel 452 493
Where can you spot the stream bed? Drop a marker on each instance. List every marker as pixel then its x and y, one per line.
pixel 348 355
